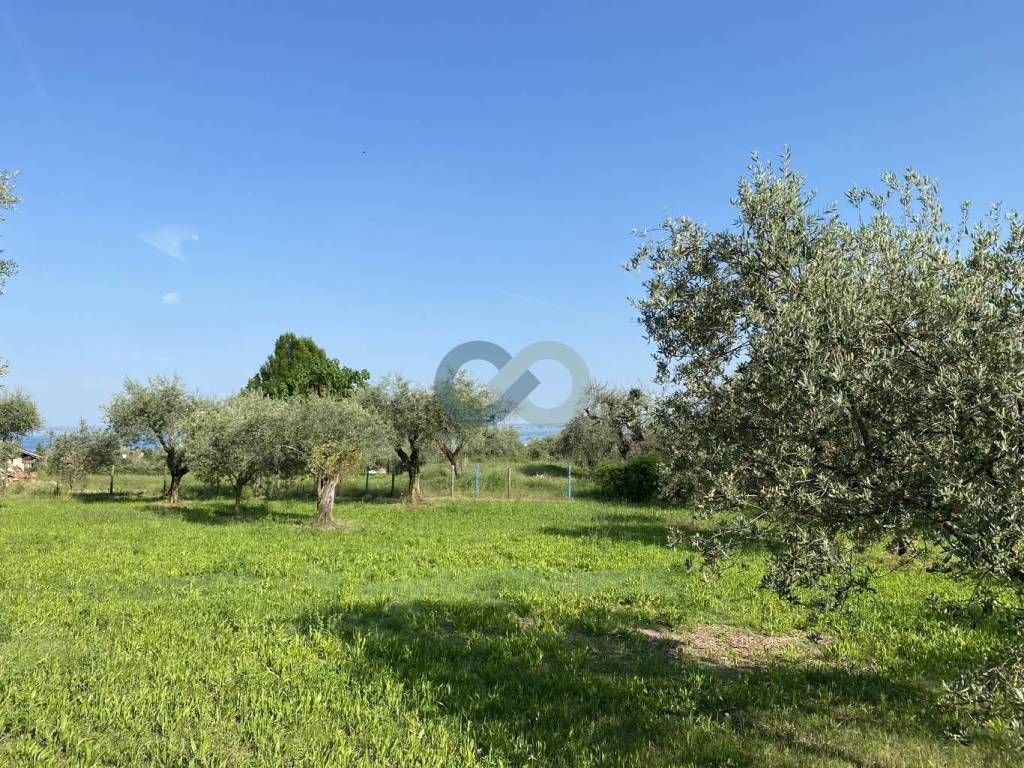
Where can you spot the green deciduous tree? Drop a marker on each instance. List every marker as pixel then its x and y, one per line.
pixel 156 412
pixel 844 382
pixel 299 367
pixel 238 439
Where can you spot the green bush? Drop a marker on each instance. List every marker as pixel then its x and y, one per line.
pixel 635 480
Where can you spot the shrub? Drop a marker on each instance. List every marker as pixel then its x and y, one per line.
pixel 636 480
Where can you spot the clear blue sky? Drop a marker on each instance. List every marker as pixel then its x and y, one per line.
pixel 393 179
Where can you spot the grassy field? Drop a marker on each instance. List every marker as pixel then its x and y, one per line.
pixel 531 480
pixel 464 633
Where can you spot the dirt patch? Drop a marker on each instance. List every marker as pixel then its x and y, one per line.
pixel 724 646
pixel 337 525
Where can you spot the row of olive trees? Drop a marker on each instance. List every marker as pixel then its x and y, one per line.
pixel 252 435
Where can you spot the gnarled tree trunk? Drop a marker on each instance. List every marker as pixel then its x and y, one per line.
pixel 177 470
pixel 174 487
pixel 326 487
pixel 453 456
pixel 411 460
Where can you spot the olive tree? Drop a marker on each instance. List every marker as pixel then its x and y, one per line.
pixel 157 413
pixel 8 200
pixel 586 441
pixel 329 438
pixel 18 417
pixel 414 418
pixel 626 413
pixel 842 382
pixel 463 412
pixel 237 439
pixel 71 456
pixel 499 442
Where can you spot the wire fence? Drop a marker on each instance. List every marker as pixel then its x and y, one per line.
pixel 531 480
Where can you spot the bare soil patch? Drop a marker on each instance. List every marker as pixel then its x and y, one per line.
pixel 735 647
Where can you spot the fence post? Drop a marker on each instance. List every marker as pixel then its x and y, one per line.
pixel 366 487
pixel 451 481
pixel 508 483
pixel 570 481
pixel 476 482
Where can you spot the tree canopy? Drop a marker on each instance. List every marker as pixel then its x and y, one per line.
pixel 329 438
pixel 73 455
pixel 156 412
pixel 18 416
pixel 299 367
pixel 238 439
pixel 8 200
pixel 414 419
pixel 840 383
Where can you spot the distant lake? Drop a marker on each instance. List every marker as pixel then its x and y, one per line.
pixel 528 432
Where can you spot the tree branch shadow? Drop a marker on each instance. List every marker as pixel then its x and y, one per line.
pixel 624 527
pixel 558 695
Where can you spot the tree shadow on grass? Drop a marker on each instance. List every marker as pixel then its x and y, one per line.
pixel 119 497
pixel 624 527
pixel 558 695
pixel 224 513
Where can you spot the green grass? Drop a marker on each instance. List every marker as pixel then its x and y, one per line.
pixel 532 480
pixel 465 633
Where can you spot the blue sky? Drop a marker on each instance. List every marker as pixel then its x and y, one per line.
pixel 396 178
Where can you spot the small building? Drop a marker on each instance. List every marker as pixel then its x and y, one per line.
pixel 23 463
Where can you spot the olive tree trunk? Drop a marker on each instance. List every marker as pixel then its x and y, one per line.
pixel 177 469
pixel 175 486
pixel 326 487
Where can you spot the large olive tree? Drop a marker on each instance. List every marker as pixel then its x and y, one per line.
pixel 329 438
pixel 841 382
pixel 156 412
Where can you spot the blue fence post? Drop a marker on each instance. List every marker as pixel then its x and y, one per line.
pixel 570 481
pixel 476 482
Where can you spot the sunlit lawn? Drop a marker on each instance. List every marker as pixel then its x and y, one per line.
pixel 464 633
